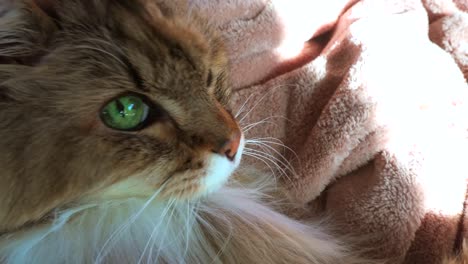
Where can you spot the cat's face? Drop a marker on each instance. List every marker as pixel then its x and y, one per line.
pixel 111 93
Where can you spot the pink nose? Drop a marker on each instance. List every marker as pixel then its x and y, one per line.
pixel 231 146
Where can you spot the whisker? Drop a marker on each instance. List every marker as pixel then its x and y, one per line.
pixel 283 161
pixel 102 51
pixel 256 104
pixel 123 227
pixel 225 244
pixel 261 122
pixel 215 213
pixel 281 156
pixel 243 105
pixel 264 96
pixel 163 237
pixel 189 225
pixel 265 162
pixel 277 143
pixel 273 139
pixel 280 117
pixel 155 229
pixel 261 155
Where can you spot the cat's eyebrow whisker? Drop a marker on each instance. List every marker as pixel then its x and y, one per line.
pixel 104 52
pixel 256 104
pixel 261 122
pixel 264 96
pixel 243 105
pixel 104 42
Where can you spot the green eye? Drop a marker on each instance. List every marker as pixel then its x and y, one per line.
pixel 127 112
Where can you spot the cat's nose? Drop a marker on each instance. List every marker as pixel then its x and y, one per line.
pixel 231 146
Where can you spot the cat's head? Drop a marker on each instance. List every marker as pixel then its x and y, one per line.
pixel 97 93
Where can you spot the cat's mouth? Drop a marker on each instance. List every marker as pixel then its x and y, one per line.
pixel 208 178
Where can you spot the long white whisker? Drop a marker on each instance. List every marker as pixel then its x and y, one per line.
pixel 123 227
pixel 281 158
pixel 163 237
pixel 261 122
pixel 251 109
pixel 214 212
pixel 188 226
pixel 225 244
pixel 155 229
pixel 102 51
pixel 278 143
pixel 263 97
pixel 260 154
pixel 260 158
pixel 271 117
pixel 243 105
pixel 285 163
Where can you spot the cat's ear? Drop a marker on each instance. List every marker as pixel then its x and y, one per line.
pixel 25 29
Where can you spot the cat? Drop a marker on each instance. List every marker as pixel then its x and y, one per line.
pixel 459 258
pixel 119 145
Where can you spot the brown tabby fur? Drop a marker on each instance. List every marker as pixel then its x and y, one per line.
pixel 62 61
pixel 55 148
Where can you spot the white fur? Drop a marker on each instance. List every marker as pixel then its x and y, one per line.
pixel 142 229
pixel 219 169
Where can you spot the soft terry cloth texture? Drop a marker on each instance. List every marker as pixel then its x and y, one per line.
pixel 374 106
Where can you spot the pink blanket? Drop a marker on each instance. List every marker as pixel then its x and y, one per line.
pixel 373 107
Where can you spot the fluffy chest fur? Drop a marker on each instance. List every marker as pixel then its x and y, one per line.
pixel 118 144
pixel 232 225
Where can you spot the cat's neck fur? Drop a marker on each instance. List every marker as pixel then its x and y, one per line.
pixel 234 225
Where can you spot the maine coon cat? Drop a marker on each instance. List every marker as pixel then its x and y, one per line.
pixel 118 144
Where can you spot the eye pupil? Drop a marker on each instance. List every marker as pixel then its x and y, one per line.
pixel 128 112
pixel 120 108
